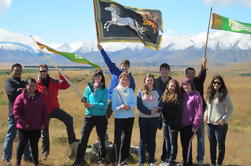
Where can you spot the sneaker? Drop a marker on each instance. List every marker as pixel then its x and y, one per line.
pixel 45 155
pixel 152 164
pixel 6 162
pixel 200 163
pixel 123 163
pixel 28 159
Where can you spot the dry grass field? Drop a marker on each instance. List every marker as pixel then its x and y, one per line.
pixel 238 144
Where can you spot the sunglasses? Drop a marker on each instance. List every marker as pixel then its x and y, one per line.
pixel 217 83
pixel 43 71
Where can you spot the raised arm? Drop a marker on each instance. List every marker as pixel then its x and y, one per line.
pixel 112 66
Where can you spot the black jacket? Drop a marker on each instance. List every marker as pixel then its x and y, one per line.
pixel 171 114
pixel 11 86
pixel 199 84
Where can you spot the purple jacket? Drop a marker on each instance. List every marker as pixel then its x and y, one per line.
pixel 192 109
pixel 32 112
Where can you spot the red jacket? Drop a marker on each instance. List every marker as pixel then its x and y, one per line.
pixel 51 93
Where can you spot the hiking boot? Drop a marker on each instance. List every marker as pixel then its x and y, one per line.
pixel 28 159
pixel 6 162
pixel 45 155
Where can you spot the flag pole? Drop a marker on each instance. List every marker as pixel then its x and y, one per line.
pixel 205 55
pixel 62 72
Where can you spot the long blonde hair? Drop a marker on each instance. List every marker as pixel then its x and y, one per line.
pixel 171 97
pixel 145 88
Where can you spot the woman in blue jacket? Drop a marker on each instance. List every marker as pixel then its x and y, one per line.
pixel 95 100
pixel 123 103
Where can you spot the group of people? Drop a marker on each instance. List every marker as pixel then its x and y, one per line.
pixel 31 106
pixel 161 102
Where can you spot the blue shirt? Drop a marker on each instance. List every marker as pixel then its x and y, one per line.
pixel 117 101
pixel 115 71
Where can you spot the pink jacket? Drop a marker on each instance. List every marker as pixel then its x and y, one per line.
pixel 30 112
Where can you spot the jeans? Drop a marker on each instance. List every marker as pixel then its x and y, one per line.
pixel 148 129
pixel 185 137
pixel 217 135
pixel 171 145
pixel 33 137
pixel 101 125
pixel 122 139
pixel 10 136
pixel 67 120
pixel 201 143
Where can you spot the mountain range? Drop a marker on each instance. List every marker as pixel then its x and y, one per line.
pixel 223 48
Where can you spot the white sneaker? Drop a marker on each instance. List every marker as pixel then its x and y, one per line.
pixel 152 164
pixel 200 163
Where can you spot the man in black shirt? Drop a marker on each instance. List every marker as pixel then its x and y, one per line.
pixel 13 87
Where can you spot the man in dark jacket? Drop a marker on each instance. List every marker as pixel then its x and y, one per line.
pixel 199 86
pixel 13 87
pixel 160 85
pixel 49 87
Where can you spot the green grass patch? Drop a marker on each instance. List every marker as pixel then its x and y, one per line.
pixel 245 74
pixel 7 72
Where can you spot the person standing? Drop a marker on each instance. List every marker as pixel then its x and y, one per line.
pixel 170 107
pixel 123 104
pixel 13 87
pixel 95 100
pixel 147 103
pixel 160 85
pixel 115 71
pixel 219 109
pixel 49 87
pixel 199 86
pixel 31 115
pixel 191 117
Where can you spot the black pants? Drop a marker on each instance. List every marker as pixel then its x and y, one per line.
pixel 100 122
pixel 185 137
pixel 67 120
pixel 33 137
pixel 122 139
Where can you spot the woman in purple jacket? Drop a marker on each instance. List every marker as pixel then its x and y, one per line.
pixel 31 116
pixel 191 117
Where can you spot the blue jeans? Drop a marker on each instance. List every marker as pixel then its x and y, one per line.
pixel 201 143
pixel 9 138
pixel 67 120
pixel 217 135
pixel 148 129
pixel 171 145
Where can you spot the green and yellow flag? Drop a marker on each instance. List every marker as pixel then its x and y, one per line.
pixel 70 56
pixel 228 24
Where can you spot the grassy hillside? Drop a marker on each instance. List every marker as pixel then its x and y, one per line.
pixel 238 142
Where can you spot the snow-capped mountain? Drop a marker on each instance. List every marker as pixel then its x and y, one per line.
pixel 223 48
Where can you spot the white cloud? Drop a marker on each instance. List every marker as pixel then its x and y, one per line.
pixel 245 3
pixel 4 5
pixel 219 2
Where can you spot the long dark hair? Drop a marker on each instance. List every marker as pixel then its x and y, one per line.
pixel 102 82
pixel 167 97
pixel 145 88
pixel 222 91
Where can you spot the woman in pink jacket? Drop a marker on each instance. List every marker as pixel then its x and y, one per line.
pixel 31 116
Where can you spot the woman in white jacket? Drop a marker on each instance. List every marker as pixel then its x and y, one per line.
pixel 219 108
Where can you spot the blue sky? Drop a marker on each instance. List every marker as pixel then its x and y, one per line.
pixel 66 21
